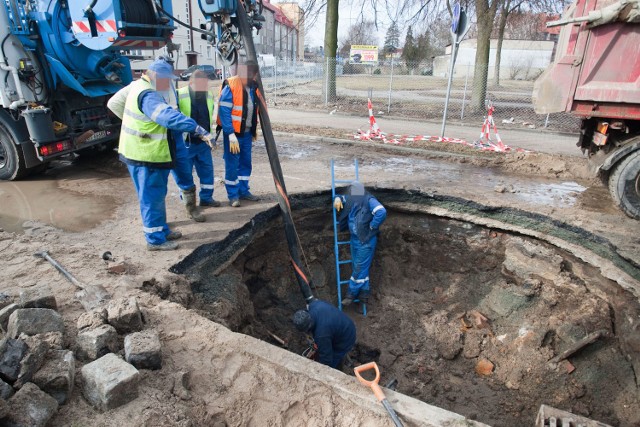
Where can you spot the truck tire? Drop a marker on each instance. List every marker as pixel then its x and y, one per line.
pixel 624 185
pixel 11 161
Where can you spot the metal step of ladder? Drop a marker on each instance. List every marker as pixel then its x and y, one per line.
pixel 337 243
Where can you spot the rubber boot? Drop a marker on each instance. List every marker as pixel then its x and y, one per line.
pixel 189 197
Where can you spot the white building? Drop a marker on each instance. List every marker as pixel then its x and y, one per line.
pixel 520 59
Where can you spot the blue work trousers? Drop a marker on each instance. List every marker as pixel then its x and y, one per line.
pixel 151 187
pixel 237 167
pixel 201 159
pixel 362 257
pixel 182 165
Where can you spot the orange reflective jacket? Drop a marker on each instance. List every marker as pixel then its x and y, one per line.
pixel 239 105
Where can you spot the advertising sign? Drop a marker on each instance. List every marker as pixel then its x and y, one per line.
pixel 363 54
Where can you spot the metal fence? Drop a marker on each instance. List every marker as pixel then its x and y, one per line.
pixel 410 91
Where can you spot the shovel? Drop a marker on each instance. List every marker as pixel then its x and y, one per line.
pixel 90 296
pixel 377 390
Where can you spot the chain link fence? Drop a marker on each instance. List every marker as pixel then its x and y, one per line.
pixel 411 91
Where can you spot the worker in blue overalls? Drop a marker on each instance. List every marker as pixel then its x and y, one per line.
pixel 363 215
pixel 333 331
pixel 238 117
pixel 148 147
pixel 196 101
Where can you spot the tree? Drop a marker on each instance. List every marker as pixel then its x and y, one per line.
pixel 330 48
pixel 409 49
pixel 363 32
pixel 505 10
pixel 392 39
pixel 485 14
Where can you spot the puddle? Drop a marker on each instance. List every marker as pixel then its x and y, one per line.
pixel 43 201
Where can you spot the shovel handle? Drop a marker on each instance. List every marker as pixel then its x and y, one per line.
pixel 373 384
pixel 45 255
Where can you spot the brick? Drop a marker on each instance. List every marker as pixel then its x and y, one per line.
pixel 124 315
pixel 484 367
pixel 109 382
pixel 11 353
pixel 143 350
pixel 39 296
pixel 32 321
pixel 5 313
pixel 57 375
pixel 94 343
pixel 30 407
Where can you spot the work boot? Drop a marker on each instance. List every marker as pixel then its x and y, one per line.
pixel 189 197
pixel 209 203
pixel 348 300
pixel 174 235
pixel 234 203
pixel 250 197
pixel 166 246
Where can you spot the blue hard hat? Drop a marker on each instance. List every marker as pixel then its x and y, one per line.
pixel 163 69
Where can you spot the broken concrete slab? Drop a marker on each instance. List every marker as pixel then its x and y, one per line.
pixel 92 319
pixel 30 407
pixel 124 315
pixel 11 353
pixel 109 382
pixel 525 260
pixel 143 349
pixel 57 375
pixel 5 313
pixel 6 391
pixel 37 350
pixel 94 343
pixel 39 296
pixel 32 321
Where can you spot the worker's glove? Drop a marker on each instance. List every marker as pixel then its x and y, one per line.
pixel 234 145
pixel 255 138
pixel 337 204
pixel 206 137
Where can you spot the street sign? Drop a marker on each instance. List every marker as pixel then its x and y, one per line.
pixel 459 28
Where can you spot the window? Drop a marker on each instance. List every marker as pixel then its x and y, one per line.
pixel 208 52
pixel 189 44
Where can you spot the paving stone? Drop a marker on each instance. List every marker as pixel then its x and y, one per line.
pixel 30 407
pixel 33 359
pixel 124 315
pixel 11 353
pixel 57 374
pixel 92 319
pixel 32 321
pixel 39 296
pixel 5 300
pixel 6 391
pixel 54 339
pixel 5 312
pixel 4 408
pixel 94 343
pixel 143 349
pixel 109 382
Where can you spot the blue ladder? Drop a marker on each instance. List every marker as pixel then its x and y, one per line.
pixel 336 241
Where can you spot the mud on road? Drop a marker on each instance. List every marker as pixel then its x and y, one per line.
pixel 98 193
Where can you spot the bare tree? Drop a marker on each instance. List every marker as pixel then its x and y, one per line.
pixel 506 8
pixel 363 32
pixel 485 14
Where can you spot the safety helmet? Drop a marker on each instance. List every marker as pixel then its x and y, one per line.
pixel 303 321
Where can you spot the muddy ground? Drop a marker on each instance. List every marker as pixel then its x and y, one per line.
pixel 79 209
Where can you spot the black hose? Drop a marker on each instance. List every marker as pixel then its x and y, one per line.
pixel 139 12
pixel 295 248
pixel 199 30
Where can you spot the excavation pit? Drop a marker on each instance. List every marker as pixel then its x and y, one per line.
pixel 467 318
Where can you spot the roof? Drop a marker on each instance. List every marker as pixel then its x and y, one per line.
pixel 279 15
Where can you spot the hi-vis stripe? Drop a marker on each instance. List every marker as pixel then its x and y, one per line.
pixel 104 26
pixel 148 44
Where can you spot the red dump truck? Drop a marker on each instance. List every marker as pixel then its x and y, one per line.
pixel 596 76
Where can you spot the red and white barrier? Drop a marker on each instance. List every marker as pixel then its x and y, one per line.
pixel 484 143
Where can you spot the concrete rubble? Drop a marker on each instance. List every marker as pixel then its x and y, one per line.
pixel 39 296
pixel 92 344
pixel 30 407
pixel 32 321
pixel 56 376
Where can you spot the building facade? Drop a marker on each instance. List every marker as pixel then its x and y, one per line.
pixel 295 14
